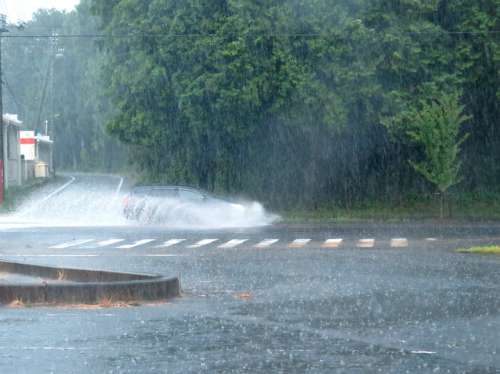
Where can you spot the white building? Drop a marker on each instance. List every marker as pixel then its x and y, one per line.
pixel 37 153
pixel 11 149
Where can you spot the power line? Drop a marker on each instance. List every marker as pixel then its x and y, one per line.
pixel 12 95
pixel 198 35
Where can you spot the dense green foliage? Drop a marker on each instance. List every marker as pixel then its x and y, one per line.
pixel 298 101
pixel 436 127
pixel 54 83
pixel 294 102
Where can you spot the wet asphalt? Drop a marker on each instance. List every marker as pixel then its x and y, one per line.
pixel 416 309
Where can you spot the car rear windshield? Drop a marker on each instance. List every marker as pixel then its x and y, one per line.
pixel 156 192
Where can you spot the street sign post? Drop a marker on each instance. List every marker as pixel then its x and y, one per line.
pixel 1 181
pixel 3 24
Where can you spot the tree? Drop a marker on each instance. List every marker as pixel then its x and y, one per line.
pixel 436 127
pixel 295 102
pixel 58 80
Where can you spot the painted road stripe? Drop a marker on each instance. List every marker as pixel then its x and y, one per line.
pixel 95 255
pixel 136 243
pixel 266 243
pixel 201 243
pixel 423 352
pixel 119 188
pixel 331 243
pixel 365 243
pixel 105 243
pixel 92 255
pixel 232 243
pixel 72 243
pixel 162 255
pixel 53 193
pixel 399 242
pixel 170 243
pixel 431 239
pixel 54 255
pixel 298 243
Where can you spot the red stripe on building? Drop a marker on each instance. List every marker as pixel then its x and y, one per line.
pixel 27 141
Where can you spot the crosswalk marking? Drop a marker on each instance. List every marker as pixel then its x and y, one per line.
pixel 136 243
pixel 298 243
pixel 399 242
pixel 72 243
pixel 232 243
pixel 163 255
pixel 93 255
pixel 331 243
pixel 202 242
pixel 266 243
pixel 365 243
pixel 170 243
pixel 54 255
pixel 105 243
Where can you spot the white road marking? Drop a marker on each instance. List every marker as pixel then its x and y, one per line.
pixel 266 243
pixel 201 243
pixel 399 242
pixel 298 243
pixel 170 243
pixel 49 196
pixel 423 352
pixel 162 255
pixel 105 243
pixel 431 239
pixel 119 188
pixel 53 255
pixel 93 255
pixel 136 244
pixel 365 243
pixel 332 243
pixel 53 193
pixel 72 243
pixel 232 243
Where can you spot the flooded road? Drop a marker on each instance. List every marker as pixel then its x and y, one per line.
pixel 353 298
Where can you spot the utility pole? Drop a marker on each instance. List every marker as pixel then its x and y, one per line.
pixel 3 28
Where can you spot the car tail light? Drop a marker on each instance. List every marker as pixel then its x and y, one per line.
pixel 126 200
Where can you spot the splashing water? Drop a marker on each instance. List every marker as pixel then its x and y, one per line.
pixel 80 204
pixel 91 202
pixel 216 213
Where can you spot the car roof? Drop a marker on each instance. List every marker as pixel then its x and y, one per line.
pixel 166 188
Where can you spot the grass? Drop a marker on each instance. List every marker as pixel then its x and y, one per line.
pixel 464 207
pixel 492 249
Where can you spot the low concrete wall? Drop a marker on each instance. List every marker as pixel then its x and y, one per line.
pixel 76 286
pixel 75 275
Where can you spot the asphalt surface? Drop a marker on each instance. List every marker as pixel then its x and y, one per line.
pixel 287 306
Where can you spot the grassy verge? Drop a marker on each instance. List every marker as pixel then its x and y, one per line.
pixel 484 207
pixel 493 249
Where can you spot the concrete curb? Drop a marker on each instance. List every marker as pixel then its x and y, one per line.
pixel 77 286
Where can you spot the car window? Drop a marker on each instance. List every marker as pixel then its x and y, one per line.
pixel 156 192
pixel 191 195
